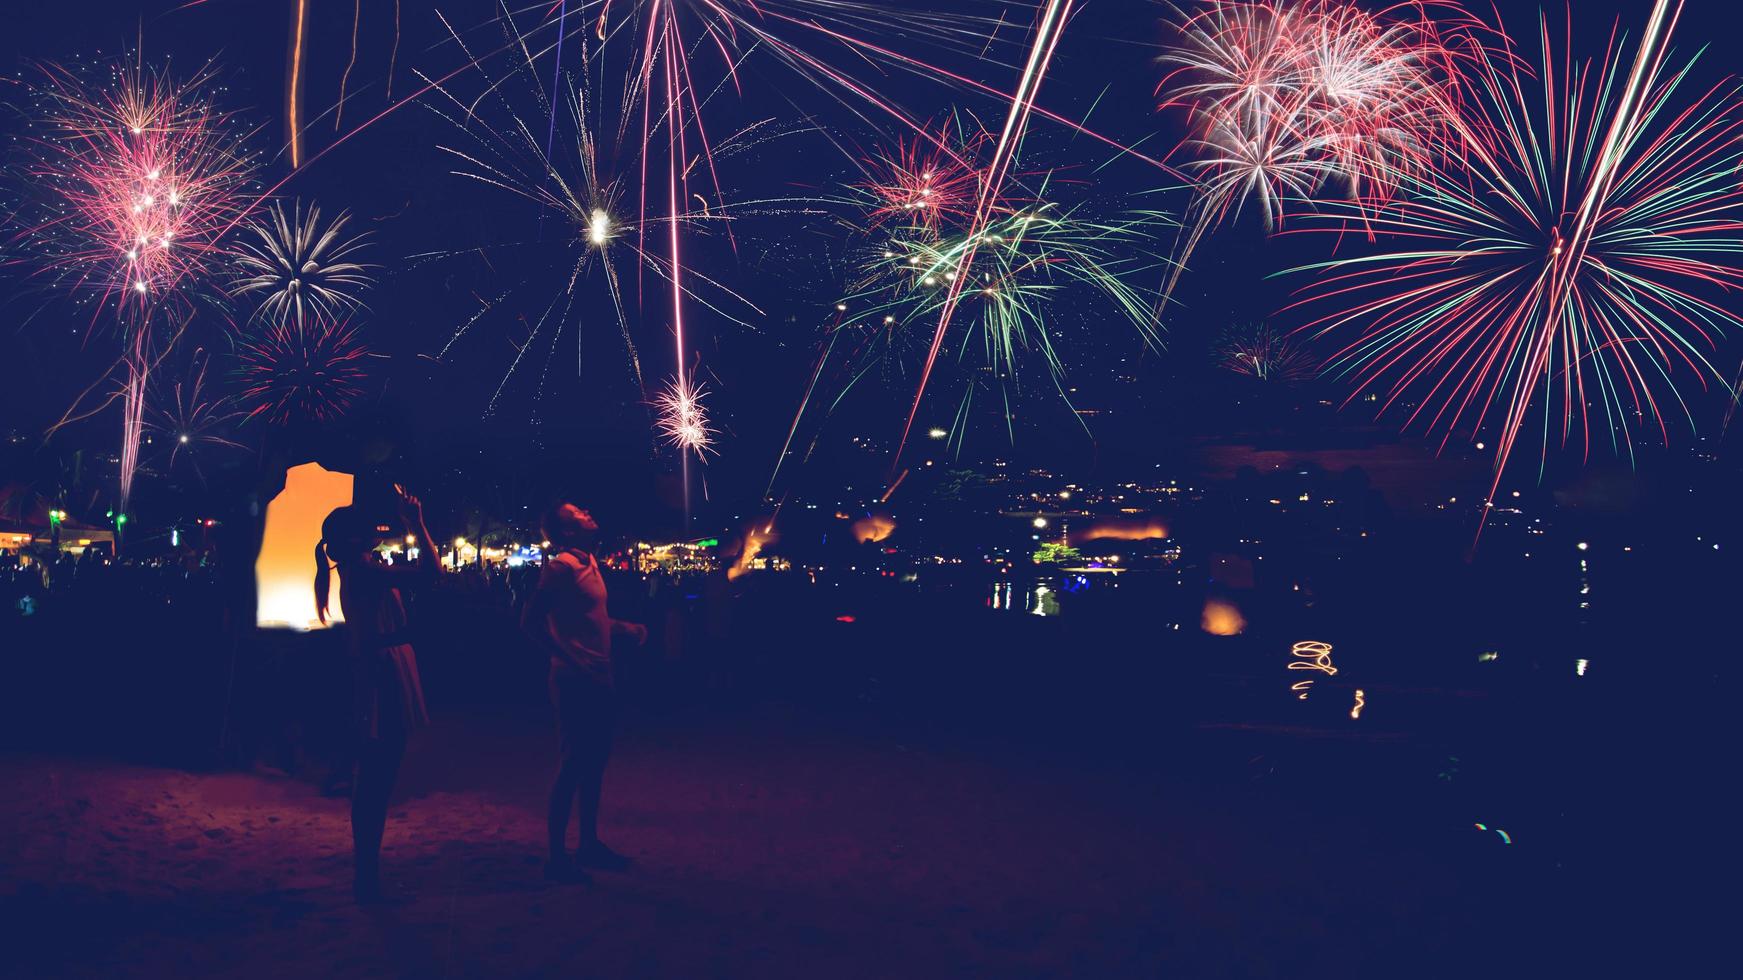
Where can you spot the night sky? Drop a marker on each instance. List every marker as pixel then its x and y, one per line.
pixel 444 244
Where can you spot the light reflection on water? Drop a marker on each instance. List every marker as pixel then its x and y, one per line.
pixel 1036 598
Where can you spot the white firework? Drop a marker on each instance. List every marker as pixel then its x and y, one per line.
pixel 301 269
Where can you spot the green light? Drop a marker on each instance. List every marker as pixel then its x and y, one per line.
pixel 121 518
pixel 708 543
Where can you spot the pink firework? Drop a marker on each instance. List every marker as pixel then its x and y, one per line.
pixel 310 373
pixel 683 419
pixel 1288 102
pixel 135 178
pixel 140 176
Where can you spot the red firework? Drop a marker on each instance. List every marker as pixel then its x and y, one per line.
pixel 302 373
pixel 924 183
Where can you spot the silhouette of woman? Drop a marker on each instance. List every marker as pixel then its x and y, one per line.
pixel 389 700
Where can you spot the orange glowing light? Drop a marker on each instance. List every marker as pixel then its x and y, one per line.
pixel 1123 529
pixel 1361 700
pixel 873 528
pixel 1222 618
pixel 284 574
pixel 755 540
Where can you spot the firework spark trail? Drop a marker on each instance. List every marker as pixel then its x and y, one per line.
pixel 293 90
pixel 556 74
pixel 345 78
pixel 1566 248
pixel 1046 40
pixel 927 70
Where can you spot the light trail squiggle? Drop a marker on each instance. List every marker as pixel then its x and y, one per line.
pixel 1310 655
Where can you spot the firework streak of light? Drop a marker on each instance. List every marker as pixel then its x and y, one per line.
pixel 1284 98
pixel 135 179
pixel 1565 250
pixel 294 84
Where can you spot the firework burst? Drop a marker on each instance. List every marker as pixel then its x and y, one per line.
pixel 190 418
pixel 580 243
pixel 1284 99
pixel 1028 260
pixel 682 418
pixel 1258 351
pixel 292 373
pixel 297 268
pixel 926 183
pixel 1013 285
pixel 135 179
pixel 1559 265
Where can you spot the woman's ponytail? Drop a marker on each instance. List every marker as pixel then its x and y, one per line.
pixel 323 577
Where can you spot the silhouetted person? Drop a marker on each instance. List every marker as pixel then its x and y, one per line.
pixel 389 700
pixel 566 616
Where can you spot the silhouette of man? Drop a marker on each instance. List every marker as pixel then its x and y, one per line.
pixel 567 617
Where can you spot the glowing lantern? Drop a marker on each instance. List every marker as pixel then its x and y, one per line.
pixel 1222 618
pixel 284 574
pixel 873 528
